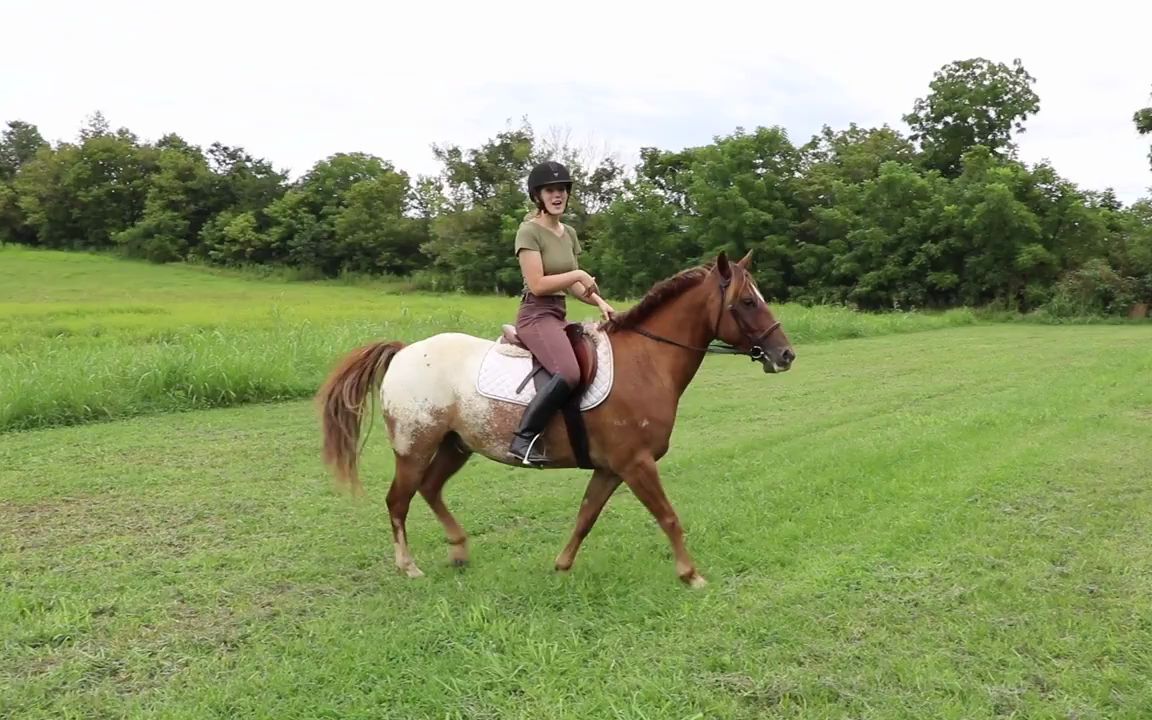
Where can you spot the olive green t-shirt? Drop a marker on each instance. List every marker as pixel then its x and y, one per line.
pixel 557 254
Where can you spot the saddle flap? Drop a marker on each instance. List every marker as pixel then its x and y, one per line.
pixel 585 350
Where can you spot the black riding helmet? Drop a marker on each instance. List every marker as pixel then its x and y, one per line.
pixel 547 173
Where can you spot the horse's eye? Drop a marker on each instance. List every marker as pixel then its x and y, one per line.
pixel 749 302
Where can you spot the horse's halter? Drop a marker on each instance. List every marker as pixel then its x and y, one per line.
pixel 756 349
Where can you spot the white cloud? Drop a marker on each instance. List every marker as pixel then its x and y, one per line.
pixel 296 84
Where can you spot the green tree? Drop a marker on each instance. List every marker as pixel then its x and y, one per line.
pixel 972 102
pixel 46 201
pixel 182 196
pixel 246 183
pixel 868 216
pixel 742 197
pixel 642 240
pixel 892 245
pixel 484 202
pixel 855 154
pixel 669 174
pixel 832 167
pixel 80 195
pixel 1129 250
pixel 374 231
pixel 19 144
pixel 1143 120
pixel 303 222
pixel 236 237
pixel 246 188
pixel 1003 238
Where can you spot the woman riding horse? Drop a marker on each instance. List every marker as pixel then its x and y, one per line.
pixel 437 418
pixel 547 250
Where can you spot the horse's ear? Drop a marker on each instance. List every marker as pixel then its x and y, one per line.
pixel 722 265
pixel 743 262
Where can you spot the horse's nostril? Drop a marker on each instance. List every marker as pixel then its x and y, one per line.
pixel 788 356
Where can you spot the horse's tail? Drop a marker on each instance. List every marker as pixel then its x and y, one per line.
pixel 341 402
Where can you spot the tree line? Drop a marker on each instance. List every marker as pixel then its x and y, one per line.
pixel 942 215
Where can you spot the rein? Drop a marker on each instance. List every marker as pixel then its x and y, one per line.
pixel 756 352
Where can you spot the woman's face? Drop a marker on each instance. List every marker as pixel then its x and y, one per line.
pixel 555 198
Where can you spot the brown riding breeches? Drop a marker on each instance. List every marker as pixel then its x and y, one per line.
pixel 540 325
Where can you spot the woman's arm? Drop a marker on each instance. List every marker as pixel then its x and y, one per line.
pixel 579 291
pixel 532 268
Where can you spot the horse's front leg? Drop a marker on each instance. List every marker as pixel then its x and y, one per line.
pixel 643 479
pixel 600 487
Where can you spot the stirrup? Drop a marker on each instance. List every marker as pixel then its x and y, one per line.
pixel 526 458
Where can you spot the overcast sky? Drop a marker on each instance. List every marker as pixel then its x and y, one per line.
pixel 294 84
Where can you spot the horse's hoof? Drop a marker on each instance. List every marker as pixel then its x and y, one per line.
pixel 413 572
pixel 695 581
pixel 458 555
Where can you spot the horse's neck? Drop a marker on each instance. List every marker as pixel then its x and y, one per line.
pixel 690 320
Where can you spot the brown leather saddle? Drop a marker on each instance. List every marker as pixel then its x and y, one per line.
pixel 582 346
pixel 586 359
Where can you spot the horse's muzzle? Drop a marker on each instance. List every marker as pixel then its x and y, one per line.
pixel 777 361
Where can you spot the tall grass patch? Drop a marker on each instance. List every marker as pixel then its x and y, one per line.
pixel 86 338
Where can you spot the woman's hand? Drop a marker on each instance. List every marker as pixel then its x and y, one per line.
pixel 605 309
pixel 588 282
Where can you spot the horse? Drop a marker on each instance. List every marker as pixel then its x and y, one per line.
pixel 441 406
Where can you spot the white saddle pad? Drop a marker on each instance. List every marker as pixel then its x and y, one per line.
pixel 504 368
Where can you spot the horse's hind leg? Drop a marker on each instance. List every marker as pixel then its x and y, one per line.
pixel 410 468
pixel 450 457
pixel 600 487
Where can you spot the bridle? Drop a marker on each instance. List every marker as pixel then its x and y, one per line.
pixel 757 341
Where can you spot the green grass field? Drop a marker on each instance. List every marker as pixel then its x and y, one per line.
pixel 89 338
pixel 942 524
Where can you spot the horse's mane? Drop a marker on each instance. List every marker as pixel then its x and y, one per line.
pixel 662 292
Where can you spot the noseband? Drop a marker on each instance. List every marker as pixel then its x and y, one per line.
pixel 756 349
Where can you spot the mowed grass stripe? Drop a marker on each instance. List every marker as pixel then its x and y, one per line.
pixel 949 524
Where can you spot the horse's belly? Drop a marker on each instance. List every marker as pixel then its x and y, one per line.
pixel 486 425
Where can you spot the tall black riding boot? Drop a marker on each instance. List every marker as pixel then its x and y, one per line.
pixel 547 401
